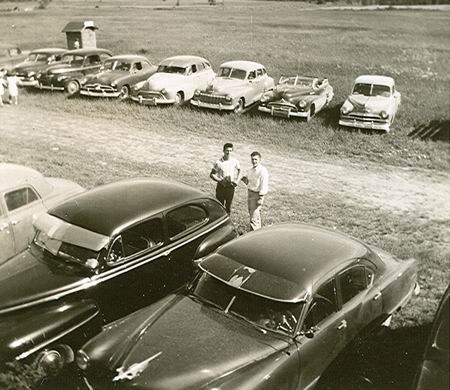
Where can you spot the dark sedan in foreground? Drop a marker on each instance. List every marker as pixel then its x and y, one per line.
pixel 101 255
pixel 269 310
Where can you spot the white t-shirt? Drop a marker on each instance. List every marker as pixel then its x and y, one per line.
pixel 230 167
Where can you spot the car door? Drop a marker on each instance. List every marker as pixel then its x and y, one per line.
pixel 6 235
pixel 135 269
pixel 22 203
pixel 206 75
pixel 91 64
pixel 323 334
pixel 184 231
pixel 361 304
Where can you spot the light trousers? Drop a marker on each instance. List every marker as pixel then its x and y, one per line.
pixel 254 209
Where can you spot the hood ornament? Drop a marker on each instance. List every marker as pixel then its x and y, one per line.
pixel 134 370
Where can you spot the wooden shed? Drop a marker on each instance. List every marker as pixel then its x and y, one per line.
pixel 80 34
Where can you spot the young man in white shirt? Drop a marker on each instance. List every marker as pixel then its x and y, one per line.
pixel 226 172
pixel 257 180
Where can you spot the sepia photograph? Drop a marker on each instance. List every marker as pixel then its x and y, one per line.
pixel 224 194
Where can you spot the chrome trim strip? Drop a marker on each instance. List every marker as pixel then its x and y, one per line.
pixel 23 355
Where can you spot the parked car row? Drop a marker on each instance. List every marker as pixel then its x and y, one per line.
pixel 270 309
pixel 238 86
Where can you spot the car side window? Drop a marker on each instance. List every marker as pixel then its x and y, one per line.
pixel 184 219
pixel 252 75
pixel 194 68
pixel 138 66
pixel 200 66
pixel 95 59
pixel 323 305
pixel 19 198
pixel 352 282
pixel 116 252
pixel 259 73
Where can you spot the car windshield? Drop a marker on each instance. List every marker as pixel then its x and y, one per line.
pixel 117 65
pixel 296 80
pixel 64 250
pixel 171 69
pixel 37 57
pixel 264 313
pixel 73 60
pixel 372 90
pixel 232 73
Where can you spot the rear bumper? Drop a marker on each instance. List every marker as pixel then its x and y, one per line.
pixel 283 113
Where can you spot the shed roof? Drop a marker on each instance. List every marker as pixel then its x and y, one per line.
pixel 79 26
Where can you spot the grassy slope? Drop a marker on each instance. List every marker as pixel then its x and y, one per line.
pixel 411 46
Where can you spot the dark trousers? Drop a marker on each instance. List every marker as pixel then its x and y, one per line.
pixel 225 196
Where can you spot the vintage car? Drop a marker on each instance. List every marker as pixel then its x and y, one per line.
pixel 372 105
pixel 433 372
pixel 269 310
pixel 101 255
pixel 73 68
pixel 38 60
pixel 239 85
pixel 10 55
pixel 24 193
pixel 116 77
pixel 297 96
pixel 174 82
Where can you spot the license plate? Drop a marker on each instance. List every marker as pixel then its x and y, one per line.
pixel 152 102
pixel 281 113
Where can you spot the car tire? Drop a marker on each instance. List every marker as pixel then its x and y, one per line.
pixel 73 88
pixel 179 99
pixel 124 92
pixel 239 109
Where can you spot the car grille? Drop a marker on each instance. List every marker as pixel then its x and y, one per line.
pixel 365 117
pixel 282 107
pixel 212 99
pixel 151 94
pixel 99 88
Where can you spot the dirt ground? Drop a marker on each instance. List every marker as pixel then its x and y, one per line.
pixel 392 189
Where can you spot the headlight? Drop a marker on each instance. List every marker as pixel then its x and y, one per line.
pixel 38 75
pixel 163 91
pixel 196 92
pixel 384 114
pixel 302 104
pixel 346 108
pixel 53 360
pixel 228 98
pixel 82 360
pixel 60 78
pixel 113 83
pixel 30 74
pixel 139 85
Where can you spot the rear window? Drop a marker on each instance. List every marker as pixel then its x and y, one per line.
pixel 19 198
pixel 185 219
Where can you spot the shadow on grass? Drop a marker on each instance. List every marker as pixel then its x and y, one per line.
pixel 386 361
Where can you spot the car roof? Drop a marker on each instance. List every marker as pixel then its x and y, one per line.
pixel 14 175
pixel 48 50
pixel 244 65
pixel 374 79
pixel 109 208
pixel 285 260
pixel 88 51
pixel 182 61
pixel 131 57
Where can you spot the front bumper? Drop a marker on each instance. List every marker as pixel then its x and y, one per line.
pixel 154 99
pixel 283 113
pixel 25 82
pixel 214 106
pixel 365 124
pixel 103 94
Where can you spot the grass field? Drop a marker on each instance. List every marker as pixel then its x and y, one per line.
pixel 411 46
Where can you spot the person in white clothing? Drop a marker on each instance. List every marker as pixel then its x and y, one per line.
pixel 226 172
pixel 2 86
pixel 13 90
pixel 257 180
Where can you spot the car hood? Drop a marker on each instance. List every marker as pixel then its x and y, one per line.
pixel 29 66
pixel 107 77
pixel 151 346
pixel 369 103
pixel 31 277
pixel 159 81
pixel 294 94
pixel 225 85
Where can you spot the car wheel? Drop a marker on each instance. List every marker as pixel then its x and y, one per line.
pixel 311 113
pixel 179 99
pixel 72 88
pixel 124 92
pixel 240 107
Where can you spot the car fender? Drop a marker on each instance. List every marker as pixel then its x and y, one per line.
pixel 24 333
pixel 224 234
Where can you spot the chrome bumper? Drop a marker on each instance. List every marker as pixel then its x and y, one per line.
pixel 152 101
pixel 370 125
pixel 99 93
pixel 27 83
pixel 218 106
pixel 50 87
pixel 283 113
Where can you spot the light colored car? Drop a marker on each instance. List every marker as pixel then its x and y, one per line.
pixel 373 103
pixel 116 77
pixel 174 82
pixel 11 55
pixel 25 192
pixel 297 96
pixel 238 86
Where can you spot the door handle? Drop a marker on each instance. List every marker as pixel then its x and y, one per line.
pixel 342 325
pixel 377 296
pixel 14 223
